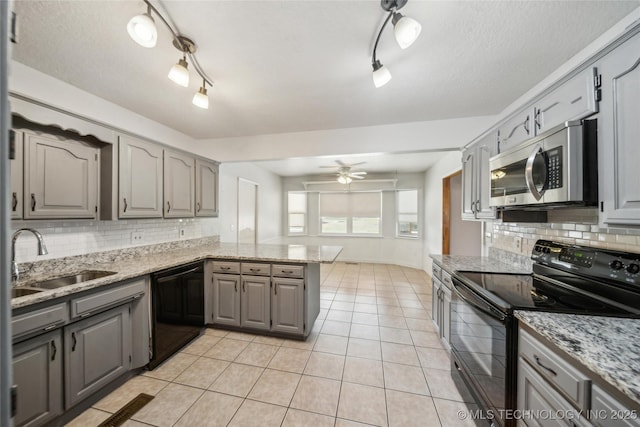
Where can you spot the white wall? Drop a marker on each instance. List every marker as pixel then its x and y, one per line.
pixel 269 200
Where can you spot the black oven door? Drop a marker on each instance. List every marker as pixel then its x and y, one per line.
pixel 481 339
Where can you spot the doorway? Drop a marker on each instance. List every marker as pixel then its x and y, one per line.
pixel 458 237
pixel 247 211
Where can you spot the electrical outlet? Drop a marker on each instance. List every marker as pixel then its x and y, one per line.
pixel 181 234
pixel 518 243
pixel 137 238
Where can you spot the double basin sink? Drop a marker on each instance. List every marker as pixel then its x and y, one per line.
pixel 59 282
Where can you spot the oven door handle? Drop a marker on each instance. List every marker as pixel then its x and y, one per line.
pixel 485 308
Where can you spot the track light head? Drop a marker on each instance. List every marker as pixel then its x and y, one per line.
pixel 406 30
pixel 201 99
pixel 381 74
pixel 142 29
pixel 179 74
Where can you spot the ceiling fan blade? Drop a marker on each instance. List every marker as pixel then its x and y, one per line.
pixel 327 167
pixel 341 163
pixel 357 164
pixel 358 173
pixel 356 176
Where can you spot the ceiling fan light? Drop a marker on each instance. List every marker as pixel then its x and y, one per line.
pixel 343 179
pixel 406 30
pixel 142 29
pixel 381 74
pixel 179 74
pixel 201 99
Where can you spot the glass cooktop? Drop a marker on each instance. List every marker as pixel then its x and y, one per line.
pixel 517 291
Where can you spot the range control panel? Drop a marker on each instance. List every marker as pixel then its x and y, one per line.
pixel 594 262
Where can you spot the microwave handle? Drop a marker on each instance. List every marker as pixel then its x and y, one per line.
pixel 528 173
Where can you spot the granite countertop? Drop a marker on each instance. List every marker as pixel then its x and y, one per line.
pixel 453 263
pixel 607 346
pixel 136 262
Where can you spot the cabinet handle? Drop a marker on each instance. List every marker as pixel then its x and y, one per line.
pixel 235 286
pixel 244 289
pixel 225 268
pixel 473 207
pixel 54 350
pixel 275 289
pixel 287 271
pixel 125 205
pixel 168 207
pixel 545 367
pixel 536 119
pixel 14 204
pixel 526 125
pixel 254 269
pixel 198 205
pixel 33 202
pixel 75 341
pixel 477 205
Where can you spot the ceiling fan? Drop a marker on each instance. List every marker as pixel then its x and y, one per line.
pixel 345 173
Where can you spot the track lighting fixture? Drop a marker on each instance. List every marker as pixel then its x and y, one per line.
pixel 405 30
pixel 201 99
pixel 142 30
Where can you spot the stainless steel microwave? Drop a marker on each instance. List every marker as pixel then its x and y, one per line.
pixel 558 167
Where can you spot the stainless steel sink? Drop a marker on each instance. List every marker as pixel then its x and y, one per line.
pixel 20 292
pixel 72 279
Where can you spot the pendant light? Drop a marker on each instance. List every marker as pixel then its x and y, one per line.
pixel 179 74
pixel 201 99
pixel 381 74
pixel 142 29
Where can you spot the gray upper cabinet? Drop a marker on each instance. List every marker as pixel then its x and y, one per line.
pixel 60 178
pixel 206 188
pixel 476 178
pixel 287 306
pixel 179 185
pixel 37 373
pixel 97 351
pixel 140 179
pixel 256 302
pixel 573 100
pixel 226 299
pixel 16 176
pixel 619 135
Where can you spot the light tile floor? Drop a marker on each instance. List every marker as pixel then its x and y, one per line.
pixel 373 358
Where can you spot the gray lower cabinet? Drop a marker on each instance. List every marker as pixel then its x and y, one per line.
pixel 255 307
pixel 226 299
pixel 37 373
pixel 287 308
pixel 618 135
pixel 441 303
pixel 97 350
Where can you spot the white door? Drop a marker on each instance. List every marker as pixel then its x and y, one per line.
pixel 247 211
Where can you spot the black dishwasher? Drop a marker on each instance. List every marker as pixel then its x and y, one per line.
pixel 177 309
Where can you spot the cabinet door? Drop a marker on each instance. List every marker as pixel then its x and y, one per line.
pixel 97 350
pixel 140 179
pixel 606 406
pixel 574 100
pixel 618 135
pixel 435 312
pixel 515 130
pixel 37 371
pixel 287 307
pixel 469 183
pixel 226 299
pixel 60 178
pixel 179 185
pixel 445 328
pixel 206 188
pixel 16 176
pixel 486 148
pixel 255 309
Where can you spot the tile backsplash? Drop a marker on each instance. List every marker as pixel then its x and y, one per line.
pixel 513 242
pixel 77 237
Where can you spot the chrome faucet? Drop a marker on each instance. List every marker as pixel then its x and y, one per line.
pixel 42 250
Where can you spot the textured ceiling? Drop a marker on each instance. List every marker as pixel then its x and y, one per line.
pixel 287 66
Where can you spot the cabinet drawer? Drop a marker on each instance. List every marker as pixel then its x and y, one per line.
pixel 606 411
pixel 567 379
pixel 255 269
pixel 288 271
pixel 446 279
pixel 437 271
pixel 42 320
pixel 226 267
pixel 85 306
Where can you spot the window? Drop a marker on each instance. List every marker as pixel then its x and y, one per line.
pixel 351 213
pixel 297 210
pixel 407 213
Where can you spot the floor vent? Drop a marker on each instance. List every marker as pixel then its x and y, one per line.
pixel 127 411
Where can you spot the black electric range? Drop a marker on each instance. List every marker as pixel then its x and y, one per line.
pixel 565 279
